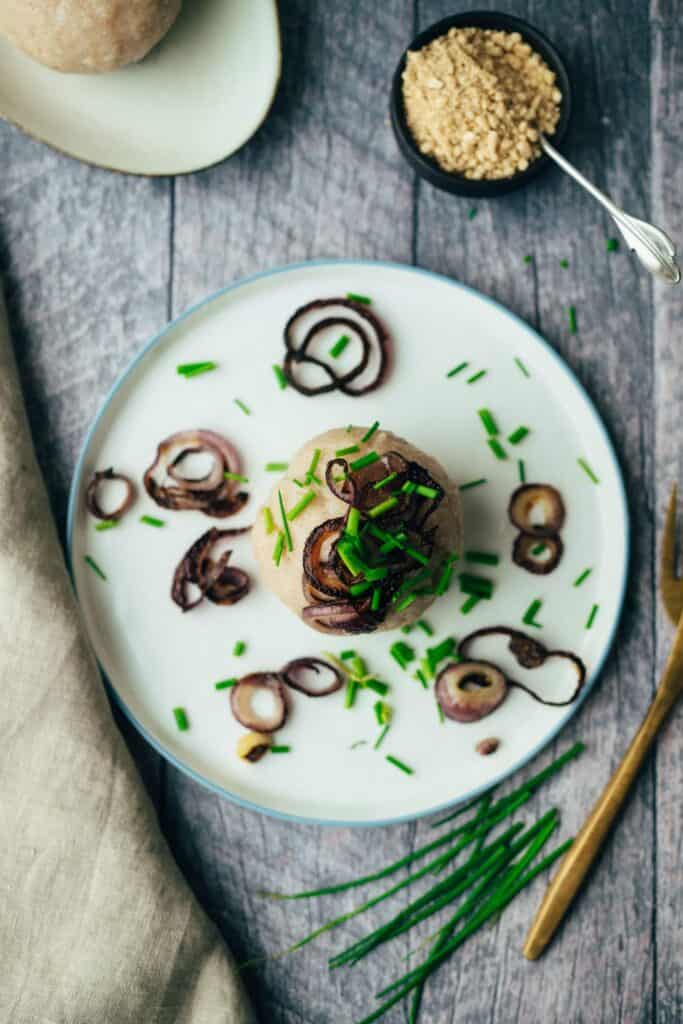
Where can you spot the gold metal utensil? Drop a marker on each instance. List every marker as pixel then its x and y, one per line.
pixel 585 847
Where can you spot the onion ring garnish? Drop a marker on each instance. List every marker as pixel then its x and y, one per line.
pixel 344 489
pixel 212 494
pixel 301 674
pixel 537 509
pixel 243 697
pixel 539 564
pixel 319 562
pixel 530 653
pixel 470 690
pixel 91 497
pixel 365 376
pixel 213 579
pixel 340 617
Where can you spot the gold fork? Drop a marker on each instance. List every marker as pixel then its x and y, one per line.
pixel 585 847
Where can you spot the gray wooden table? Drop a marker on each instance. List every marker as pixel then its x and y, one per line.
pixel 96 263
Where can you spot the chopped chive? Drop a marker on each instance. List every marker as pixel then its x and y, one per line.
pixel 368 434
pixel 591 617
pixel 439 711
pixel 384 482
pixel 106 524
pixel 377 686
pixel 482 557
pixel 382 712
pixel 426 669
pixel 426 492
pixel 497 448
pixel 268 520
pixel 457 369
pixel 425 627
pixel 380 739
pixel 538 549
pixel 354 564
pixel 310 472
pixel 301 505
pixel 612 244
pixel 357 744
pixel 584 575
pixel 89 560
pixel 225 684
pixel 417 555
pixel 356 589
pixel 383 507
pixel 405 602
pixel 399 764
pixel 407 629
pixel 380 573
pixel 299 483
pixel 421 678
pixel 194 369
pixel 352 522
pixel 522 471
pixel 522 367
pixel 279 546
pixel 402 653
pixel 358 667
pixel 352 448
pixel 181 721
pixel 487 419
pixel 471 602
pixel 518 435
pixel 529 617
pixel 472 214
pixel 152 521
pixel 443 650
pixel 564 264
pixel 473 483
pixel 363 299
pixel 571 317
pixel 239 649
pixel 339 346
pixel 350 693
pixel 476 376
pixel 245 408
pixel 280 376
pixel 528 259
pixel 276 467
pixel 588 471
pixel 364 460
pixel 409 487
pixel 347 655
pixel 445 578
pixel 285 524
pixel 279 748
pixel 237 477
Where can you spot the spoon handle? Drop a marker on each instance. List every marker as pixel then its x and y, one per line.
pixel 574 173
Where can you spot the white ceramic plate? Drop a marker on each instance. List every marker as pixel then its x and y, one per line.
pixel 156 658
pixel 193 101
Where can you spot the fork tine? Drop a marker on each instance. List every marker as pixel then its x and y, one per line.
pixel 672 588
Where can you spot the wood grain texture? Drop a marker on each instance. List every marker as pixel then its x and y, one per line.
pixel 96 263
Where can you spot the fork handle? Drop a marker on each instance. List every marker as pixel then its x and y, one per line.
pixel 590 839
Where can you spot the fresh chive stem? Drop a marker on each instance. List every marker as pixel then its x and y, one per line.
pixel 279 748
pixel 518 435
pixel 522 471
pixel 106 524
pixel 276 467
pixel 490 425
pixel 268 520
pixel 225 684
pixel 339 346
pixel 152 521
pixel 588 471
pixel 194 369
pixel 363 461
pixel 285 523
pixel 382 483
pixel 591 617
pixel 402 767
pixel 522 367
pixel 280 376
pixel 425 627
pixel 457 369
pixel 497 448
pixel 571 318
pixel 241 405
pixel 239 648
pixel 302 504
pixel 529 617
pixel 310 472
pixel 371 430
pixel 89 560
pixel 279 547
pixel 482 557
pixel 237 477
pixel 476 376
pixel 584 576
pixel 380 739
pixel 181 721
pixel 473 483
pixel 382 507
pixel 350 450
pixel 363 299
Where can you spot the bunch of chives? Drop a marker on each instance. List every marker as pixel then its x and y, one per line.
pixel 495 869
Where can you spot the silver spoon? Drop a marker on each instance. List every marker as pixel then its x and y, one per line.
pixel 652 246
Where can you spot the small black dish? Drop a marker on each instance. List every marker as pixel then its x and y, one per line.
pixel 428 168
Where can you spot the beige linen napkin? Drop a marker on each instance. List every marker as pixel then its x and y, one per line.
pixel 97 925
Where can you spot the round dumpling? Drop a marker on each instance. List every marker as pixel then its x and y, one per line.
pixel 441 532
pixel 86 35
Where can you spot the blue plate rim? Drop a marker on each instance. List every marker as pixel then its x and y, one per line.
pixel 563 366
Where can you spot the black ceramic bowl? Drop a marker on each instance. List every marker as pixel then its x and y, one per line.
pixel 428 168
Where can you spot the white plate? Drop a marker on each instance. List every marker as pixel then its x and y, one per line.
pixel 156 658
pixel 193 101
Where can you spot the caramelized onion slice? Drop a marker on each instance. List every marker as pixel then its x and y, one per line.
pixel 530 654
pixel 198 575
pixel 92 498
pixel 339 617
pixel 211 494
pixel 542 563
pixel 537 509
pixel 344 489
pixel 259 702
pixel 304 674
pixel 470 690
pixel 319 562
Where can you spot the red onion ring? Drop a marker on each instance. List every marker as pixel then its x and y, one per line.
pixel 522 553
pixel 531 496
pixel 469 690
pixel 91 499
pixel 295 673
pixel 339 617
pixel 243 694
pixel 320 567
pixel 215 580
pixel 213 494
pixel 374 341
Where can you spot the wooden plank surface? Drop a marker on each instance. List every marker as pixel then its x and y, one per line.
pixel 97 262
